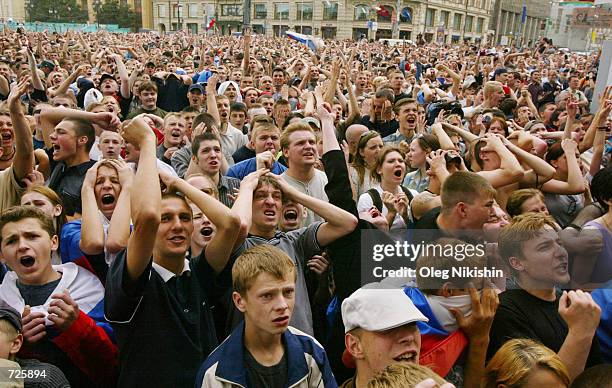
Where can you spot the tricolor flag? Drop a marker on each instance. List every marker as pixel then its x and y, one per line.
pixel 406 14
pixel 309 40
pixel 211 24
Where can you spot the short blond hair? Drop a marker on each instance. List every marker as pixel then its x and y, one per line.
pixel 261 259
pixel 515 360
pixel 291 128
pixel 523 228
pixel 403 375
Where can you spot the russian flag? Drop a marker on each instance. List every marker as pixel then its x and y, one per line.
pixel 308 40
pixel 440 349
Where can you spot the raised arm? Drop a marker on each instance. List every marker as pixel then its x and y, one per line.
pixel 92 231
pixel 63 87
pixel 211 99
pixel 119 229
pixel 146 201
pixel 123 75
pixel 575 181
pixel 226 222
pixel 509 171
pixel 36 82
pixel 338 222
pixel 243 206
pixel 23 161
pixel 540 170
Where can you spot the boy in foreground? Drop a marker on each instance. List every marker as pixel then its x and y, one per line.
pixel 264 351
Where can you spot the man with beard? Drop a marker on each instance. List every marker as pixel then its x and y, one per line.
pixel 207 155
pixel 564 322
pixel 406 111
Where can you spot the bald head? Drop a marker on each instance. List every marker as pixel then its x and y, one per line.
pixel 353 133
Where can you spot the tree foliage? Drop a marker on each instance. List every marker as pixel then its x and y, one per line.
pixel 113 12
pixel 64 11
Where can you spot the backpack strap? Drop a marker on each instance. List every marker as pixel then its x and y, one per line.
pixel 376 199
pixel 407 192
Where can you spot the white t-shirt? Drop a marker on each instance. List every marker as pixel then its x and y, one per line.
pixel 365 203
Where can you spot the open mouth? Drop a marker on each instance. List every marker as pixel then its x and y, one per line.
pixel 177 239
pixel 27 261
pixel 397 173
pixel 411 120
pixel 406 357
pixel 206 231
pixel 176 134
pixel 108 199
pixel 7 136
pixel 281 320
pixel 290 215
pixel 224 115
pixel 270 213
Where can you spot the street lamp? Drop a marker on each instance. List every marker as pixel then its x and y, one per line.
pixel 97 4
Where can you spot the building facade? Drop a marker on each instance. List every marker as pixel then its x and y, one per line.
pixel 519 22
pixel 437 20
pixel 580 35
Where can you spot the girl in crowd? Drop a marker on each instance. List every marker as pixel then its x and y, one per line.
pixel 389 196
pixel 368 148
pixel 523 363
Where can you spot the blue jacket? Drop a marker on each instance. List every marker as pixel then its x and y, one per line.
pixel 244 168
pixel 307 364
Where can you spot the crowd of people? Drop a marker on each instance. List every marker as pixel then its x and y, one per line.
pixel 188 210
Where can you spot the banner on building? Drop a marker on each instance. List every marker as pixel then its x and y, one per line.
pixel 592 17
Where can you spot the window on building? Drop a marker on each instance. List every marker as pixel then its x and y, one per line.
pixel 304 11
pixel 260 11
pixel 468 23
pixel 430 16
pixel 192 10
pixel 306 30
pixel 192 27
pixel 259 29
pixel 457 21
pixel 406 15
pixel 479 23
pixel 280 30
pixel 161 10
pixel 328 32
pixel 330 11
pixel 384 14
pixel 361 12
pixel 281 12
pixel 444 18
pixel 177 10
pixel 231 10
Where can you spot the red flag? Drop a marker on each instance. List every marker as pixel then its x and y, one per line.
pixel 383 12
pixel 211 24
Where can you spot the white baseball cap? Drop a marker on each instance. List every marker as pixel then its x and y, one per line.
pixel 379 309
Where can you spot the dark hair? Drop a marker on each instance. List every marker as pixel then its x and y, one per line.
pixel 596 376
pixel 204 136
pixel 601 186
pixel 18 213
pixel 190 109
pixel 83 128
pixel 206 118
pixel 147 85
pixel 428 141
pixel 238 107
pixel 387 94
pixel 555 151
pixel 291 116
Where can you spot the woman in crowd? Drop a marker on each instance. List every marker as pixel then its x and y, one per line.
pixel 368 148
